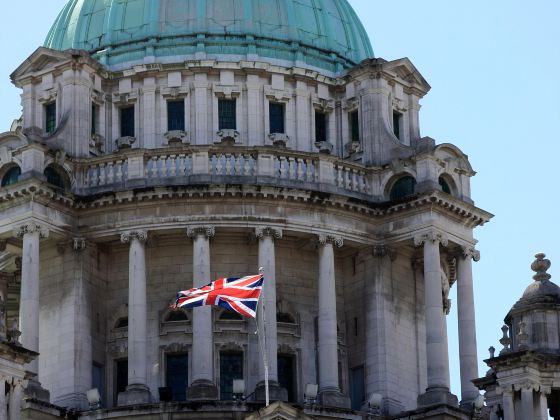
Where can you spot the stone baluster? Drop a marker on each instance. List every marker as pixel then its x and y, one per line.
pixel 467 325
pixel 137 391
pixel 16 394
pixel 31 233
pixel 202 386
pixel 436 334
pixel 267 260
pixel 329 391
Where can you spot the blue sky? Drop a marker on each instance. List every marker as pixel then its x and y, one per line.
pixel 495 94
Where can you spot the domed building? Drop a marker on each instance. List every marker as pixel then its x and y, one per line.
pixel 165 144
pixel 524 379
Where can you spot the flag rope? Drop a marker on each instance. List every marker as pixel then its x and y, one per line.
pixel 262 343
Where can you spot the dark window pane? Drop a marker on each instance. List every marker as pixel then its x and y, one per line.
pixel 230 316
pixel 404 187
pixel 121 377
pixel 176 374
pixel 177 315
pixel 444 185
pixel 320 126
pixel 357 387
pixel 276 114
pixel 127 121
pixel 12 176
pixel 284 317
pixel 54 177
pixel 231 367
pixel 354 126
pixel 50 117
pixel 397 124
pixel 176 115
pixel 226 114
pixel 94 118
pixel 98 381
pixel 286 375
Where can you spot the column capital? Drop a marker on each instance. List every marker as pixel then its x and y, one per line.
pixel 470 252
pixel 334 240
pixel 381 251
pixel 140 235
pixel 29 228
pixel 195 231
pixel 431 236
pixel 274 233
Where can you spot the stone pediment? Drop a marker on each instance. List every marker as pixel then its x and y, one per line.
pixel 279 411
pixel 407 71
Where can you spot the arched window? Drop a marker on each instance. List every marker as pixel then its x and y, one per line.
pixel 444 185
pixel 230 316
pixel 54 177
pixel 11 176
pixel 122 322
pixel 285 318
pixel 176 316
pixel 403 187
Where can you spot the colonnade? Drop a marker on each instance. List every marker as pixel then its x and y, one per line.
pixel 11 392
pixel 203 386
pixel 524 401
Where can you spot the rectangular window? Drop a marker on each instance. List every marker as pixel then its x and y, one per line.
pixel 357 387
pixel 397 120
pixel 320 126
pixel 231 367
pixel 94 119
pixel 98 381
pixel 121 377
pixel 226 114
pixel 286 375
pixel 176 116
pixel 127 121
pixel 276 116
pixel 354 126
pixel 176 374
pixel 50 117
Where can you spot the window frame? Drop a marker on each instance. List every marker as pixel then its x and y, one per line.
pixel 321 127
pixel 129 129
pixel 277 121
pixel 176 120
pixel 227 114
pixel 185 374
pixel 354 123
pixel 50 117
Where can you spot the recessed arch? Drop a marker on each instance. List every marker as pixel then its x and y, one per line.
pixel 56 175
pixel 11 175
pixel 402 187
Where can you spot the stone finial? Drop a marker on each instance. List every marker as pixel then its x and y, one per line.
pixel 541 266
pixel 505 340
pixel 492 351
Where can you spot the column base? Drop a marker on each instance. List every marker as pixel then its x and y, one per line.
pixel 333 398
pixel 36 391
pixel 437 396
pixel 202 390
pixel 275 391
pixel 468 401
pixel 135 394
pixel 77 400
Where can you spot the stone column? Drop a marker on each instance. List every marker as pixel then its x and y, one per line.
pixel 267 260
pixel 3 402
pixel 31 233
pixel 527 410
pixel 542 408
pixel 202 386
pixel 329 391
pixel 467 325
pixel 508 407
pixel 16 394
pixel 436 334
pixel 137 391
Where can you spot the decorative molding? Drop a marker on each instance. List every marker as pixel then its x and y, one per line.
pixel 279 139
pixel 470 252
pixel 336 241
pixel 195 231
pixel 140 235
pixel 176 137
pixel 275 233
pixel 175 347
pixel 30 228
pixel 431 236
pixel 381 251
pixel 125 142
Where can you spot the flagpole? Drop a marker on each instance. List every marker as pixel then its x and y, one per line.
pixel 263 346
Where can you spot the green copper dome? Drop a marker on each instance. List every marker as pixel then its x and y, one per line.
pixel 323 34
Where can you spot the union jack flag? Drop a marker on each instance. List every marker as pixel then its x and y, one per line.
pixel 240 295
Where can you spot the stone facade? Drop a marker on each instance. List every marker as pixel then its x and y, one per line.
pixel 109 226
